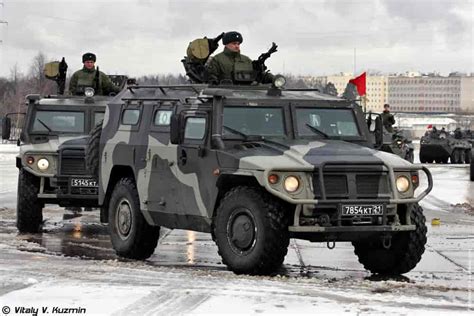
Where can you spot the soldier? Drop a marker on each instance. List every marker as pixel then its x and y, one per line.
pixel 88 76
pixel 231 66
pixel 387 118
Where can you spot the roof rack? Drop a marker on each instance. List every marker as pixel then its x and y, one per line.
pixel 188 87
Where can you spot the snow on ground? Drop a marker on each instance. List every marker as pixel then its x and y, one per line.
pixel 72 265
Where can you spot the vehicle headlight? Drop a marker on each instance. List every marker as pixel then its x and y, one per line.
pixel 279 81
pixel 291 184
pixel 43 164
pixel 403 184
pixel 89 92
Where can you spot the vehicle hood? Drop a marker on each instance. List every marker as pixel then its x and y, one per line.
pixel 301 154
pixel 54 144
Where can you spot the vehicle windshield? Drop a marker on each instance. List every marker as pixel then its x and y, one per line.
pixel 323 121
pixel 247 121
pixel 58 122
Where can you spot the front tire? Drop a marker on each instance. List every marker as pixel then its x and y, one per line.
pixel 132 237
pixel 29 211
pixel 404 253
pixel 251 231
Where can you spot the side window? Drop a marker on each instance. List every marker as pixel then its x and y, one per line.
pixel 162 117
pixel 195 128
pixel 130 116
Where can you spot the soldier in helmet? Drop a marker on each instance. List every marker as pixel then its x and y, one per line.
pixel 230 66
pixel 91 77
pixel 387 118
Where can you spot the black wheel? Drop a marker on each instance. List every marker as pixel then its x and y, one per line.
pixel 251 231
pixel 423 158
pixel 404 252
pixel 92 150
pixel 132 237
pixel 462 156
pixel 467 156
pixel 454 156
pixel 409 156
pixel 29 211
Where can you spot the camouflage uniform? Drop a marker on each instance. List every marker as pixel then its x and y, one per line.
pixel 388 120
pixel 86 78
pixel 235 67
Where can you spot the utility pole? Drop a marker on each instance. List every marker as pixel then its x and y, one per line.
pixel 1 21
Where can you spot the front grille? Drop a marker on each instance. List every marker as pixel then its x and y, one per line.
pixel 72 162
pixel 352 184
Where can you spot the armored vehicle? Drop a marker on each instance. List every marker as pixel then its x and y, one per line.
pixel 51 158
pixel 439 146
pixel 399 144
pixel 52 149
pixel 254 166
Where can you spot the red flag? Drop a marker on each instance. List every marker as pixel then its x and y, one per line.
pixel 359 82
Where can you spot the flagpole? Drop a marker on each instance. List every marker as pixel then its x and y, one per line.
pixel 355 61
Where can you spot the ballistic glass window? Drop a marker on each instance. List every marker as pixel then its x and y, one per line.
pixel 195 128
pixel 130 116
pixel 264 121
pixel 162 117
pixel 58 121
pixel 333 122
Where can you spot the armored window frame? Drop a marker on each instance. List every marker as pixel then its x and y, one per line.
pixel 192 114
pixel 131 127
pixel 164 106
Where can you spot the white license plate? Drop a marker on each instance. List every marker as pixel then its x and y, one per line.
pixel 358 209
pixel 89 183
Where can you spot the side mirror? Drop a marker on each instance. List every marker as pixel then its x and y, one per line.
pixel 6 127
pixel 175 129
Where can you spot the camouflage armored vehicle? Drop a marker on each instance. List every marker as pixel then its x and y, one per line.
pixel 439 146
pixel 254 166
pixel 51 161
pixel 396 142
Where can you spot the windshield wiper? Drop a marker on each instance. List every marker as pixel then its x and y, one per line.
pixel 246 136
pixel 44 124
pixel 317 131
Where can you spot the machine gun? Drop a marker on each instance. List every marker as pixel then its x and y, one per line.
pixel 56 71
pixel 97 80
pixel 259 64
pixel 198 53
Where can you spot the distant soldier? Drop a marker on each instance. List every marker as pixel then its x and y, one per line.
pixel 91 77
pixel 230 66
pixel 387 118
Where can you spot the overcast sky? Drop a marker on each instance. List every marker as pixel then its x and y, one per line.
pixel 138 37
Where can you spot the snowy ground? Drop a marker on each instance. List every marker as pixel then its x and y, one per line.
pixel 72 265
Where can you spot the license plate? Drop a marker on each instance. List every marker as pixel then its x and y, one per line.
pixel 89 183
pixel 365 209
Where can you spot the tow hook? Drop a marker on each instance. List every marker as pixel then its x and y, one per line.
pixel 387 241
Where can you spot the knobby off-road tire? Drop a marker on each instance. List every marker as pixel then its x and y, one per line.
pixel 29 211
pixel 132 237
pixel 92 150
pixel 403 255
pixel 251 231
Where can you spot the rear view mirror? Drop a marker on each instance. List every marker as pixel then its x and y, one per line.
pixel 174 129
